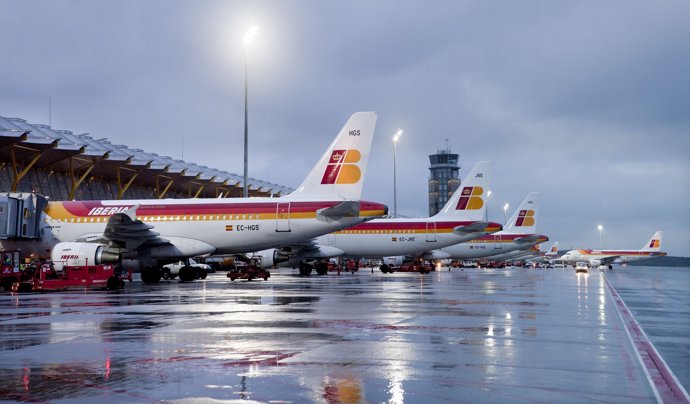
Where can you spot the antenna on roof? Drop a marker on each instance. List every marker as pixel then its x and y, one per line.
pixel 50 112
pixel 182 157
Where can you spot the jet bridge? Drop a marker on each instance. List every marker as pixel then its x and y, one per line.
pixel 20 215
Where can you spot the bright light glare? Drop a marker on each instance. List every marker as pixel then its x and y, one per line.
pixel 505 207
pixel 250 35
pixel 397 135
pixel 600 227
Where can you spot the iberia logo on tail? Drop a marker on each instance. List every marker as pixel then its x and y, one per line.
pixel 471 199
pixel 655 244
pixel 341 168
pixel 525 218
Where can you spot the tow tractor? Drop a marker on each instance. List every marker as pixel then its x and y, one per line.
pixel 417 265
pixel 249 269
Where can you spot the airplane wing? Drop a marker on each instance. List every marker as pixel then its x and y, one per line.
pixel 606 260
pixel 476 227
pixel 532 238
pixel 124 230
pixel 309 249
pixel 339 211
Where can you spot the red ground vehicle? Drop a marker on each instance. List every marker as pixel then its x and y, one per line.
pixel 415 266
pixel 46 278
pixel 249 270
pixel 335 265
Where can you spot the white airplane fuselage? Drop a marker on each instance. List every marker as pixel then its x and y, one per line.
pixel 392 237
pixel 220 226
pixel 488 246
pixel 620 256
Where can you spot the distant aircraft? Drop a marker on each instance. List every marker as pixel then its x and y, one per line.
pixel 553 251
pixel 461 219
pixel 519 235
pixel 157 231
pixel 533 254
pixel 597 258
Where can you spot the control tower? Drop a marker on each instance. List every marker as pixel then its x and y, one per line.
pixel 443 178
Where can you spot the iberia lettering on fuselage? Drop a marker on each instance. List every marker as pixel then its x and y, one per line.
pixel 107 210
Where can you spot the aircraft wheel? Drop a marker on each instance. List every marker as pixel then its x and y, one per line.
pixel 7 284
pixel 187 274
pixel 305 269
pixel 321 268
pixel 201 273
pixel 113 283
pixel 150 275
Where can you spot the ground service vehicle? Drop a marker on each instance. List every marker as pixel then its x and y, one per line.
pixel 46 278
pixel 9 268
pixel 186 271
pixel 249 270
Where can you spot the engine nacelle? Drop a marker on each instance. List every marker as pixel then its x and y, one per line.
pixel 594 263
pixel 81 254
pixel 271 257
pixel 436 255
pixel 396 260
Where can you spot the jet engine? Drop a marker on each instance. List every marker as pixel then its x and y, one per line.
pixel 271 257
pixel 594 263
pixel 81 254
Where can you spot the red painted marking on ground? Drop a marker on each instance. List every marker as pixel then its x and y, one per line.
pixel 661 375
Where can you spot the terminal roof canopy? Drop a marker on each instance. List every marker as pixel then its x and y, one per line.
pixel 39 146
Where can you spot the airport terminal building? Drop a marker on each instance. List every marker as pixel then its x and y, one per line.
pixel 65 166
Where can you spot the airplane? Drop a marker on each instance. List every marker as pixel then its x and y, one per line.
pixel 519 235
pixel 531 254
pixel 154 232
pixel 461 219
pixel 597 258
pixel 553 251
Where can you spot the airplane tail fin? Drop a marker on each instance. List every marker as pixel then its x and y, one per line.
pixel 469 201
pixel 654 243
pixel 339 174
pixel 524 220
pixel 553 251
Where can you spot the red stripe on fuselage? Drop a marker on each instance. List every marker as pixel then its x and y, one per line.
pixel 383 225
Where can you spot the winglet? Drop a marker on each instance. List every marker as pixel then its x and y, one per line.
pixel 469 201
pixel 339 174
pixel 524 220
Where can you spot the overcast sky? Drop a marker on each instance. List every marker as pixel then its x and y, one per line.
pixel 585 101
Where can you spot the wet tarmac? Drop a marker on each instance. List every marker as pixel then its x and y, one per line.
pixel 512 335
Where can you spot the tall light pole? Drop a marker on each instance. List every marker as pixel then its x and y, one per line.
pixel 505 213
pixel 600 228
pixel 248 40
pixel 396 137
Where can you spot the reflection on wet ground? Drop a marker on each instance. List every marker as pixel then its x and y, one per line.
pixel 510 335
